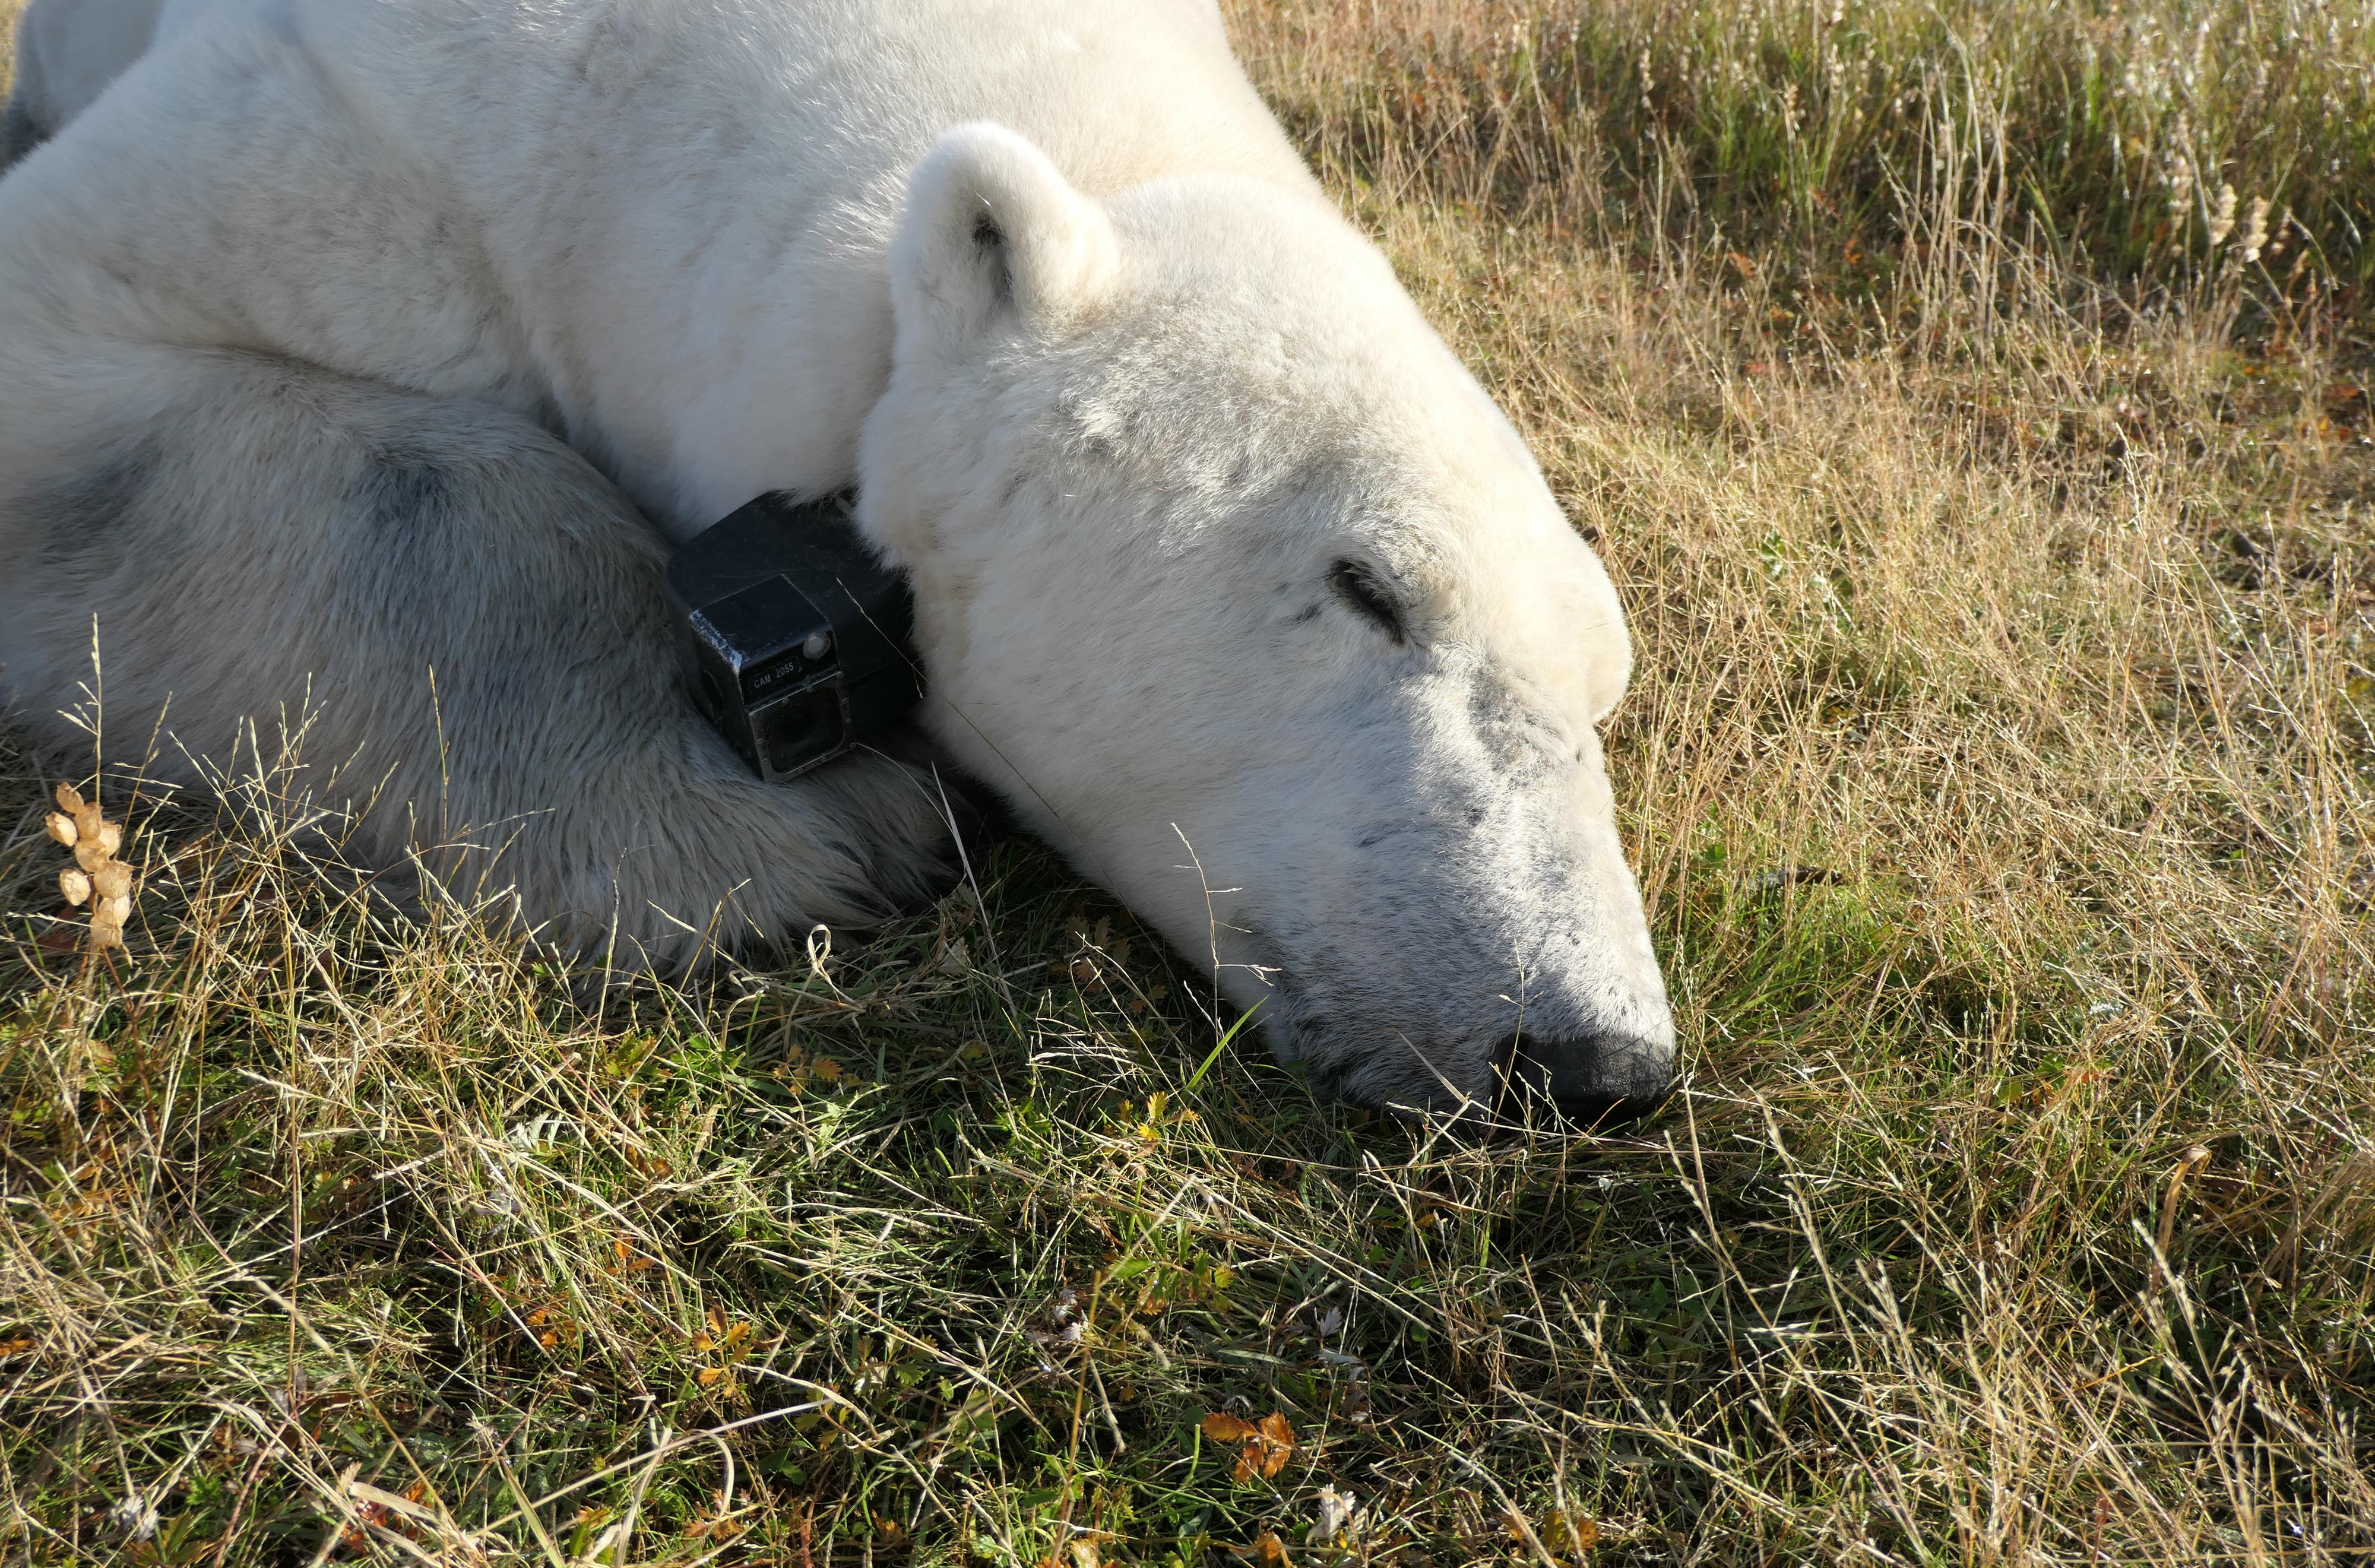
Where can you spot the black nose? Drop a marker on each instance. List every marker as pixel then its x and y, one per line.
pixel 1592 1080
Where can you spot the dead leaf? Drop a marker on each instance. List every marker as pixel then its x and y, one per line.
pixel 1576 1532
pixel 1556 1529
pixel 1266 1443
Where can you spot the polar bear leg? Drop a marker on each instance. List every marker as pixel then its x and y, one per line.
pixel 455 628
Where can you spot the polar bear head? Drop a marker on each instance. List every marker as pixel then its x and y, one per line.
pixel 1238 587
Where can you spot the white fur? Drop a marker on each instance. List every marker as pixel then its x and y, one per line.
pixel 302 301
pixel 66 54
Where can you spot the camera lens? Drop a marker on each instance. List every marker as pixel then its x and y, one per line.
pixel 800 730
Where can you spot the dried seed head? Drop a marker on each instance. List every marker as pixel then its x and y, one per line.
pixel 96 878
pixel 2222 217
pixel 1334 1513
pixel 2255 230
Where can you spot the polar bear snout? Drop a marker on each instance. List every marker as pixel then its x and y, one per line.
pixel 1594 1080
pixel 1530 1000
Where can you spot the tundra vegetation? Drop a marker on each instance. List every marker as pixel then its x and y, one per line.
pixel 1971 399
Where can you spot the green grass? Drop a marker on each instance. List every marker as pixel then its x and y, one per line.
pixel 2001 777
pixel 1855 141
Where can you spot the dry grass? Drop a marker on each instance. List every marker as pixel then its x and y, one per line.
pixel 2000 773
pixel 2132 142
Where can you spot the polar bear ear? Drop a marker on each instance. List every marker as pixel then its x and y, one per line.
pixel 992 229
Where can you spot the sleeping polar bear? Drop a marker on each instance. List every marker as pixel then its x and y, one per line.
pixel 360 361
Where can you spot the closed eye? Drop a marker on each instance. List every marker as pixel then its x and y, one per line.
pixel 1358 587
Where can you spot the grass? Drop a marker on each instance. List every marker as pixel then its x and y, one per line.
pixel 2001 557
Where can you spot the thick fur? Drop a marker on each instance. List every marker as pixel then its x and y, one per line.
pixel 448 640
pixel 66 54
pixel 346 346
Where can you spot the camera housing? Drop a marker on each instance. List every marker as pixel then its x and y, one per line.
pixel 799 633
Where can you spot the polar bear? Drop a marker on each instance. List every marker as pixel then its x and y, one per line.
pixel 359 365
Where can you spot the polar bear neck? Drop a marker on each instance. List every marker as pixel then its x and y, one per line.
pixel 722 324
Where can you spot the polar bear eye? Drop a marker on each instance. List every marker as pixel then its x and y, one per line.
pixel 1358 587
